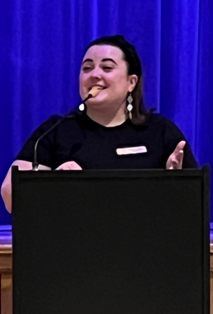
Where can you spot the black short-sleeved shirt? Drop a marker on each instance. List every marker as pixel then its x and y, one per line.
pixel 94 146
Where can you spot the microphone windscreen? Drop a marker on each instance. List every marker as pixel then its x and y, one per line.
pixel 94 91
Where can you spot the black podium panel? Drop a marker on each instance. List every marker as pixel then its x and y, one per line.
pixel 111 242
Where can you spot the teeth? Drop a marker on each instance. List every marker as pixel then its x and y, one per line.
pixel 97 87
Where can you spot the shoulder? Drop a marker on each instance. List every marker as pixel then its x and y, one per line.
pixel 45 125
pixel 157 120
pixel 55 122
pixel 166 130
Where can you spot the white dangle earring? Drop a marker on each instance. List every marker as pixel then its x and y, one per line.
pixel 129 105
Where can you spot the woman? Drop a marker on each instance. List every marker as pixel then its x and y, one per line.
pixel 114 131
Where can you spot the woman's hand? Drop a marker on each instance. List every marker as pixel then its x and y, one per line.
pixel 175 160
pixel 69 165
pixel 6 188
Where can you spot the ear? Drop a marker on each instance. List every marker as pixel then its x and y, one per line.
pixel 133 79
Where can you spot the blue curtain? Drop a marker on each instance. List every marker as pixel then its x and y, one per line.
pixel 42 42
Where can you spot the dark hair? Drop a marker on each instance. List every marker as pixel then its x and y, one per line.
pixel 134 67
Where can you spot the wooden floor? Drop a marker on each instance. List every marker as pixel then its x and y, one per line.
pixel 6 271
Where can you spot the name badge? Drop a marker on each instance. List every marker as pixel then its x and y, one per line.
pixel 131 150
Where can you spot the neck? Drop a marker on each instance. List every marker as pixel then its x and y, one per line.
pixel 107 117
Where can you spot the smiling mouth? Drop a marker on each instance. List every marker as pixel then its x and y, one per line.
pixel 99 87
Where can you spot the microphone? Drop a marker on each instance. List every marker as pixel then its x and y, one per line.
pixel 92 93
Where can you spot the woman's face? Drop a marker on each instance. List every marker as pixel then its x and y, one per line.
pixel 104 66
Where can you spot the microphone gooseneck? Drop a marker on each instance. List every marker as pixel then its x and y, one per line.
pixel 92 93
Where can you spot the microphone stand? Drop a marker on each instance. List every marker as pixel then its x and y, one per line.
pixel 35 163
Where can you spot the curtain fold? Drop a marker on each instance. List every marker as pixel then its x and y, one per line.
pixel 42 43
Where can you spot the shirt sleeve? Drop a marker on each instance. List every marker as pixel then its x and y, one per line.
pixel 45 146
pixel 172 137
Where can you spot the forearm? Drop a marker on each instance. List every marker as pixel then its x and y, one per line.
pixel 6 188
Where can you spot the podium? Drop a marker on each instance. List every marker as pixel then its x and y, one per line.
pixel 111 242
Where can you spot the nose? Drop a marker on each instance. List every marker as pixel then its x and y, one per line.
pixel 95 73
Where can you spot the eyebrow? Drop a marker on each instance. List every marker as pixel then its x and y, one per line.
pixel 103 60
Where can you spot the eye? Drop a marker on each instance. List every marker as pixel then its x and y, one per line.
pixel 107 68
pixel 86 68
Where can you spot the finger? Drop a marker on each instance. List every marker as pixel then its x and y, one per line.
pixel 69 165
pixel 177 160
pixel 179 155
pixel 180 146
pixel 180 158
